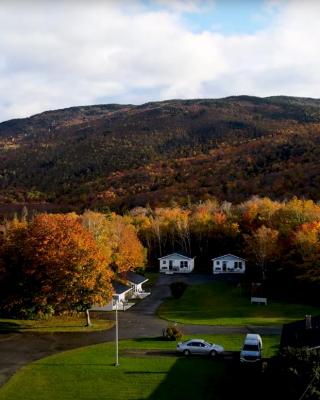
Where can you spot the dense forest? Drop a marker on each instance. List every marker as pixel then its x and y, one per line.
pixel 41 255
pixel 280 240
pixel 122 156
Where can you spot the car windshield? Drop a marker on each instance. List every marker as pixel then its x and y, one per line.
pixel 251 347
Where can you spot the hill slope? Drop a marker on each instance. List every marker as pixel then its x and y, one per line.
pixel 125 155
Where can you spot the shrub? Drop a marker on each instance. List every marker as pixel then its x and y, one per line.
pixel 173 333
pixel 295 371
pixel 177 289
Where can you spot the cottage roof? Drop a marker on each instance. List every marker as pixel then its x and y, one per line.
pixel 175 255
pixel 296 334
pixel 229 255
pixel 135 278
pixel 120 288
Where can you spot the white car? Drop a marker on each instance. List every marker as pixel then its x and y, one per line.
pixel 251 350
pixel 199 346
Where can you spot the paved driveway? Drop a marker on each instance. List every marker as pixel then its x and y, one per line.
pixel 161 291
pixel 18 349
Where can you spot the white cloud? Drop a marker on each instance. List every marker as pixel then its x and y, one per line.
pixel 59 54
pixel 187 6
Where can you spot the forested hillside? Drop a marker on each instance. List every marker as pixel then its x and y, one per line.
pixel 40 259
pixel 121 156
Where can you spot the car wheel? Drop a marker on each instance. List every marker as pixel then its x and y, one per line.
pixel 213 353
pixel 186 352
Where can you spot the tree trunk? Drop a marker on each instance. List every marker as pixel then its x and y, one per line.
pixel 263 269
pixel 88 318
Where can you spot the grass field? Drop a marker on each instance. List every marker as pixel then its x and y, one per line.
pixel 152 279
pixel 221 303
pixel 89 373
pixel 54 324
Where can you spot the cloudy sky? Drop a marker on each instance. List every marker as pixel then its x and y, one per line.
pixel 61 53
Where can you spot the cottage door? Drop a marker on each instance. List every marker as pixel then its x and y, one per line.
pixel 224 265
pixel 170 265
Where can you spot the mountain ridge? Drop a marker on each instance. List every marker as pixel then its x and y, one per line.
pixel 114 155
pixel 119 105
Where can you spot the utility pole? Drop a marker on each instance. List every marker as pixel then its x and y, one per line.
pixel 116 299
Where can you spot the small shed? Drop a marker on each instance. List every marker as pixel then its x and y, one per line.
pixel 176 263
pixel 228 264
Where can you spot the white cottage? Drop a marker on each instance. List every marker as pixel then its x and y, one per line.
pixel 123 293
pixel 176 264
pixel 228 264
pixel 136 281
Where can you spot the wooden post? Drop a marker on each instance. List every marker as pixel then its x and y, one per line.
pixel 88 317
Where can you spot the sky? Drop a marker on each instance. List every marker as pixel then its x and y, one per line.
pixel 63 53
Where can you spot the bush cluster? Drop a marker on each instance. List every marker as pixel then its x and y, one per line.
pixel 177 289
pixel 173 333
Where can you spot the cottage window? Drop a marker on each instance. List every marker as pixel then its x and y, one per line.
pixel 183 264
pixel 218 262
pixel 164 262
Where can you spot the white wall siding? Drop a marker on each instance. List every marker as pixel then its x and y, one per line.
pixel 176 265
pixel 228 264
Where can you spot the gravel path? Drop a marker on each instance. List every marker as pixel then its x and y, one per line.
pixel 19 349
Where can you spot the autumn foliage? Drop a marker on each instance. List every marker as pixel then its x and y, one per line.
pixel 64 258
pixel 62 262
pixel 54 264
pixel 125 156
pixel 280 240
pixel 117 238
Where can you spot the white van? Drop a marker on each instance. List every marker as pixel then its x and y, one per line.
pixel 252 347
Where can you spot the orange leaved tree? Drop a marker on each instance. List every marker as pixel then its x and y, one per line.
pixel 128 253
pixel 62 267
pixel 262 244
pixel 117 239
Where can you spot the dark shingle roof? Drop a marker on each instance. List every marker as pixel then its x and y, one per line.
pixel 120 288
pixel 135 278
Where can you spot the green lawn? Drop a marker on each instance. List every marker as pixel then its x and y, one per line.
pixel 88 373
pixel 152 279
pixel 221 303
pixel 54 324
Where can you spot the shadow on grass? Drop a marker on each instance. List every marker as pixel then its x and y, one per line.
pixel 192 378
pixel 145 372
pixel 150 339
pixel 71 364
pixel 246 381
pixel 9 327
pixel 53 327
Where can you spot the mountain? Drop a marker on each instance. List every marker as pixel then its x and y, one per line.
pixel 179 150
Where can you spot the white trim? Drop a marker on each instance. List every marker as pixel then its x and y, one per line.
pixel 126 291
pixel 176 254
pixel 228 255
pixel 140 283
